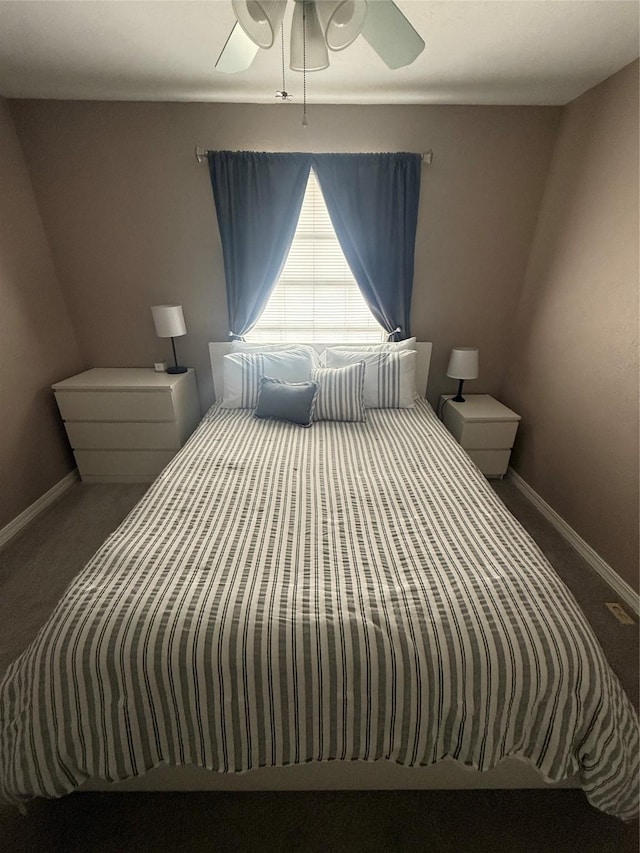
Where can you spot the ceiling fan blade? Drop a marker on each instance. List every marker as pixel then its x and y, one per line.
pixel 238 53
pixel 390 34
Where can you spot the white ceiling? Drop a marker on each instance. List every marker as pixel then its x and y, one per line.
pixel 491 52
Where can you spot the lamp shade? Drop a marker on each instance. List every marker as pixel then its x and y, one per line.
pixel 341 21
pixel 168 320
pixel 260 19
pixel 308 49
pixel 463 363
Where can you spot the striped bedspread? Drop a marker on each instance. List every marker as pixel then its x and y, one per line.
pixel 285 595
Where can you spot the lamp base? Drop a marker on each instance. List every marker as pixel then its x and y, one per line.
pixel 177 369
pixel 459 398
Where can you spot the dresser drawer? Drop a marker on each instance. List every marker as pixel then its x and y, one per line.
pixel 135 466
pixel 492 463
pixel 97 435
pixel 116 405
pixel 499 435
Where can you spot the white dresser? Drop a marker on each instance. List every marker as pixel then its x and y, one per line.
pixel 125 423
pixel 484 427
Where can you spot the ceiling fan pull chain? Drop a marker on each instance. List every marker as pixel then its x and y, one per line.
pixel 304 65
pixel 284 88
pixel 283 92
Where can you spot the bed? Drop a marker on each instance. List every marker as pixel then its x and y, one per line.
pixel 349 601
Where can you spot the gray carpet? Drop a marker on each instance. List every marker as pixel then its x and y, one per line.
pixel 36 567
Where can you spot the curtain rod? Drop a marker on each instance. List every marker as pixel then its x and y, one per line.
pixel 201 155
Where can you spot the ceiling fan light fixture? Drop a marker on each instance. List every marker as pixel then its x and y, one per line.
pixel 318 26
pixel 308 50
pixel 341 21
pixel 260 19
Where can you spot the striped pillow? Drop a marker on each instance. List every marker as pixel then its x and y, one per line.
pixel 389 377
pixel 341 393
pixel 242 372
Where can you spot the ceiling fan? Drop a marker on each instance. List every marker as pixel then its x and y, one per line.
pixel 318 26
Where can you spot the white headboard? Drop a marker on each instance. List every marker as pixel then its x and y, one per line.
pixel 217 351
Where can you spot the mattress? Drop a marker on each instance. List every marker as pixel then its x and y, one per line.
pixel 281 595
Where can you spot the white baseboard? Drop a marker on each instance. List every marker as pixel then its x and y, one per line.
pixel 612 578
pixel 14 527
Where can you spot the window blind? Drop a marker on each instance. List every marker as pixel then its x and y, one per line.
pixel 316 297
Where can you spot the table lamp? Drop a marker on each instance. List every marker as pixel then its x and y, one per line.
pixel 169 323
pixel 463 364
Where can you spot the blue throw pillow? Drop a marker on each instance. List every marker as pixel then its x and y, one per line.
pixel 286 401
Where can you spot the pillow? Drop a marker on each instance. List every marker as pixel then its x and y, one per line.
pixel 389 377
pixel 388 346
pixel 286 401
pixel 341 393
pixel 242 372
pixel 248 347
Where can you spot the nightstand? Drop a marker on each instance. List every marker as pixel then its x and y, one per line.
pixel 125 424
pixel 484 427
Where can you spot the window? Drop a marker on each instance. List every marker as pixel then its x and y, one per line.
pixel 316 297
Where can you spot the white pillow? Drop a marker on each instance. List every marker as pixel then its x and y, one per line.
pixel 389 377
pixel 387 346
pixel 249 347
pixel 242 372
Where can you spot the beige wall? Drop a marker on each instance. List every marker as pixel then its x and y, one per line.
pixel 573 371
pixel 131 220
pixel 37 343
